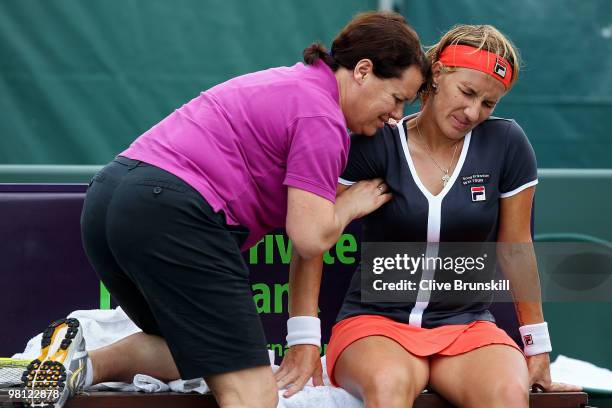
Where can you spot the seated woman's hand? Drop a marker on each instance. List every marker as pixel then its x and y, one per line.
pixel 300 363
pixel 539 375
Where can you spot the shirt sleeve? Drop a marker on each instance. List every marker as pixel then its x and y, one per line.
pixel 317 154
pixel 366 158
pixel 520 169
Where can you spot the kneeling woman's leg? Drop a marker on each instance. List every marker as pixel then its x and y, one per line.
pixel 490 376
pixel 176 268
pixel 381 372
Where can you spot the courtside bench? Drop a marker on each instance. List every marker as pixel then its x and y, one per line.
pixel 164 400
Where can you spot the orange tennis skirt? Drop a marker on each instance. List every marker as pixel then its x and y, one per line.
pixel 449 340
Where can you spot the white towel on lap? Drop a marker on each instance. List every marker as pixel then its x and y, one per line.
pixel 104 327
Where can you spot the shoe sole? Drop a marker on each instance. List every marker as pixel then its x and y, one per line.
pixel 45 377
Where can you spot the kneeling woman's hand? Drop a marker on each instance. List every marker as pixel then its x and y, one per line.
pixel 364 196
pixel 300 363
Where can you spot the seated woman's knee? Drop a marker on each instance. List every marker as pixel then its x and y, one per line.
pixel 514 394
pixel 507 392
pixel 386 384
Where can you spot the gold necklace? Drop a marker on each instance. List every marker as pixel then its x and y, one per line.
pixel 445 176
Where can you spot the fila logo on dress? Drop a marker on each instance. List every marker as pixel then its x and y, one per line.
pixel 478 193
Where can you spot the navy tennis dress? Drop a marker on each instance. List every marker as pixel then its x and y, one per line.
pixel 496 161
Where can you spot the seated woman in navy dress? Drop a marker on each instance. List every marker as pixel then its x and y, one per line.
pixel 457 174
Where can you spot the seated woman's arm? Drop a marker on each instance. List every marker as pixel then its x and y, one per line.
pixel 518 262
pixel 314 225
pixel 517 257
pixel 302 361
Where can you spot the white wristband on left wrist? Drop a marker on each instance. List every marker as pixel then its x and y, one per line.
pixel 304 330
pixel 536 339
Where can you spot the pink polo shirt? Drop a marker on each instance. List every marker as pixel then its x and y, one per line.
pixel 242 142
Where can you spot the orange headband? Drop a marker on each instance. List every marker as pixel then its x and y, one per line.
pixel 466 56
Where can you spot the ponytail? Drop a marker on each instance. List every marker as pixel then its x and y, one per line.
pixel 317 51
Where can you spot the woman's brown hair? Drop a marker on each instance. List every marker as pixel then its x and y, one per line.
pixel 383 37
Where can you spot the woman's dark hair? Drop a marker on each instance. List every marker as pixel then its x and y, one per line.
pixel 381 36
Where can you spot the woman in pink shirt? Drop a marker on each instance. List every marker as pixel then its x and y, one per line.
pixel 164 223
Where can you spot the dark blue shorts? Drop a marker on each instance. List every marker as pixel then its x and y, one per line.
pixel 174 266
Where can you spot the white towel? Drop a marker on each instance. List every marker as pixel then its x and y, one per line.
pixel 142 382
pixel 326 396
pixel 587 375
pixel 100 328
pixel 196 385
pixel 320 397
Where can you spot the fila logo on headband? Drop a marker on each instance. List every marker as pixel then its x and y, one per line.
pixel 478 193
pixel 500 68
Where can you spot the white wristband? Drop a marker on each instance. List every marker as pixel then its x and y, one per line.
pixel 536 339
pixel 304 330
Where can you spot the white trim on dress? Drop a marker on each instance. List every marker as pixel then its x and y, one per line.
pixel 434 218
pixel 345 182
pixel 519 189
